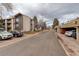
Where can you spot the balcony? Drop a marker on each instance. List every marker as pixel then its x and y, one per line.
pixel 9 26
pixel 8 21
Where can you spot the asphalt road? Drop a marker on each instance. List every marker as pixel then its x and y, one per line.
pixel 43 44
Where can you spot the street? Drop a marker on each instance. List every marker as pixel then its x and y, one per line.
pixel 43 44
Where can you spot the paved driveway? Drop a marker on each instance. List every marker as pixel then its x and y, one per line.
pixel 43 44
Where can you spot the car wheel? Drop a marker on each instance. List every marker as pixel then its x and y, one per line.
pixel 0 38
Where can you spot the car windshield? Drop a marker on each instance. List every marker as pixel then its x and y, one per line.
pixel 15 31
pixel 2 29
pixel 5 31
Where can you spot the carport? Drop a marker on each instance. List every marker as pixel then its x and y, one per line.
pixel 72 25
pixel 63 30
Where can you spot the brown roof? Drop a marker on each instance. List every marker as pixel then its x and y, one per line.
pixel 18 14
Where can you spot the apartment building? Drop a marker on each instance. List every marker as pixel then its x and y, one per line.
pixel 8 24
pixel 18 22
pixel 22 22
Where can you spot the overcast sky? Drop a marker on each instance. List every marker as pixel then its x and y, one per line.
pixel 63 11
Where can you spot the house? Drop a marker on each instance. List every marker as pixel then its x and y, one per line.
pixel 18 22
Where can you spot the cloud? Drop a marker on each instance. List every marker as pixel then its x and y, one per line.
pixel 49 11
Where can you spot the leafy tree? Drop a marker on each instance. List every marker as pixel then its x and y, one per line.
pixel 1 14
pixel 1 23
pixel 55 22
pixel 35 23
pixel 35 19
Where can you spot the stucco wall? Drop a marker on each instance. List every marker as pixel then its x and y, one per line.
pixel 19 22
pixel 26 24
pixel 72 23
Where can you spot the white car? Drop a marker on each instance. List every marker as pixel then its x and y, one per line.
pixel 68 33
pixel 5 35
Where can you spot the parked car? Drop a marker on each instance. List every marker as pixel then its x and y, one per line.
pixel 68 33
pixel 71 33
pixel 5 35
pixel 17 33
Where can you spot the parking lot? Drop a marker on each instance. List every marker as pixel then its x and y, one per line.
pixel 13 40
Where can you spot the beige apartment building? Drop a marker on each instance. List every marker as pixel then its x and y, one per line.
pixel 8 24
pixel 22 22
pixel 18 22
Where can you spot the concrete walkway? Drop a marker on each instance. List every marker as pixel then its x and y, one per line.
pixel 70 45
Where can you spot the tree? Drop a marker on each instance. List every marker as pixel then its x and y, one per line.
pixel 1 23
pixel 35 19
pixel 55 22
pixel 35 23
pixel 42 24
pixel 8 6
pixel 1 14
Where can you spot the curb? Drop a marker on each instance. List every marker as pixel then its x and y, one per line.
pixel 62 45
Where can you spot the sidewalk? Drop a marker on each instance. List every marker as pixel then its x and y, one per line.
pixel 70 45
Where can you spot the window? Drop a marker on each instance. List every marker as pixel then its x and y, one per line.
pixel 17 20
pixel 17 25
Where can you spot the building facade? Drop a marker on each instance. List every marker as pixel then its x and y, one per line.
pixel 22 22
pixel 71 25
pixel 18 22
pixel 8 24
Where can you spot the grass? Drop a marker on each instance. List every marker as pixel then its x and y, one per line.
pixel 32 32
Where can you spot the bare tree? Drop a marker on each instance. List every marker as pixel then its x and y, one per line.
pixel 8 6
pixel 3 6
pixel 42 24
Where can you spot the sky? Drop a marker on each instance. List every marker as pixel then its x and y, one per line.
pixel 48 11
